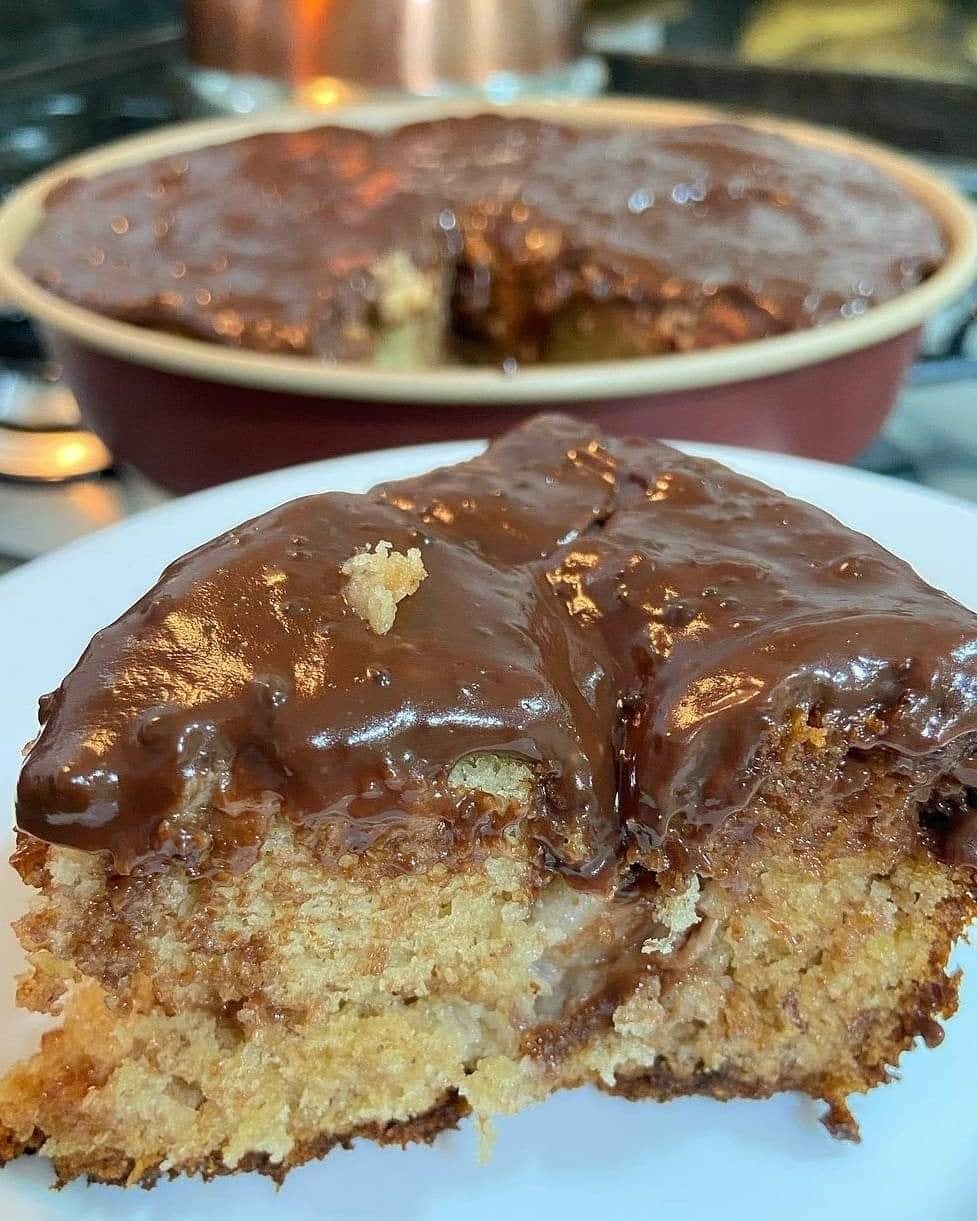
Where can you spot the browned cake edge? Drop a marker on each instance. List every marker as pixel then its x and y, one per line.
pixel 117 1170
pixel 882 1044
pixel 936 999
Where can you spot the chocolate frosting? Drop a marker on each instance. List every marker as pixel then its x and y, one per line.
pixel 269 242
pixel 632 621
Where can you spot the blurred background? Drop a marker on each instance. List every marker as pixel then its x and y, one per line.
pixel 75 73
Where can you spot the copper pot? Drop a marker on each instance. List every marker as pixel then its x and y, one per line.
pixel 421 46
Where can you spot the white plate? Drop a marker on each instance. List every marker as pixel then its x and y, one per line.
pixel 580 1154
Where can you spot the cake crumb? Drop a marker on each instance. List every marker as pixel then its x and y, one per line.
pixel 378 580
pixel 487 1135
pixel 678 914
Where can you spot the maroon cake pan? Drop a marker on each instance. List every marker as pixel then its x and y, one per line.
pixel 190 414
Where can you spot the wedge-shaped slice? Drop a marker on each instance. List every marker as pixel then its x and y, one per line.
pixel 585 761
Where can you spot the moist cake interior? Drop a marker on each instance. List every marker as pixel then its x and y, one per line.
pixel 586 762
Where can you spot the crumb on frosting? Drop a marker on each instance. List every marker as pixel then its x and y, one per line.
pixel 378 580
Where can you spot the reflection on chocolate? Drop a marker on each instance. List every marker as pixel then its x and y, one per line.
pixel 630 620
pixel 694 236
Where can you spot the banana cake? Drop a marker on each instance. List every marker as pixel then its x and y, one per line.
pixel 487 239
pixel 582 762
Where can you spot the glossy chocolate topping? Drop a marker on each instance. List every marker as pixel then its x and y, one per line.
pixel 632 621
pixel 717 231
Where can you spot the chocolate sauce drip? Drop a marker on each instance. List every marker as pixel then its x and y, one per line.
pixel 629 620
pixel 718 232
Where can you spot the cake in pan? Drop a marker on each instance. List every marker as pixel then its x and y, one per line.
pixel 487 239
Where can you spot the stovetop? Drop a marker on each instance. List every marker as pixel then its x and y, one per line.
pixel 52 111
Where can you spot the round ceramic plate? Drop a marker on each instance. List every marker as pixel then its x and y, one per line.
pixel 582 1153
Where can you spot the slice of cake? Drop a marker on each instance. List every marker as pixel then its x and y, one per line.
pixel 582 762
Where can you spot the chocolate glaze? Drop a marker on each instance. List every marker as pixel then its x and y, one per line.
pixel 632 621
pixel 711 233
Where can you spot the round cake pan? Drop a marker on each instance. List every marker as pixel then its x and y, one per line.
pixel 190 413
